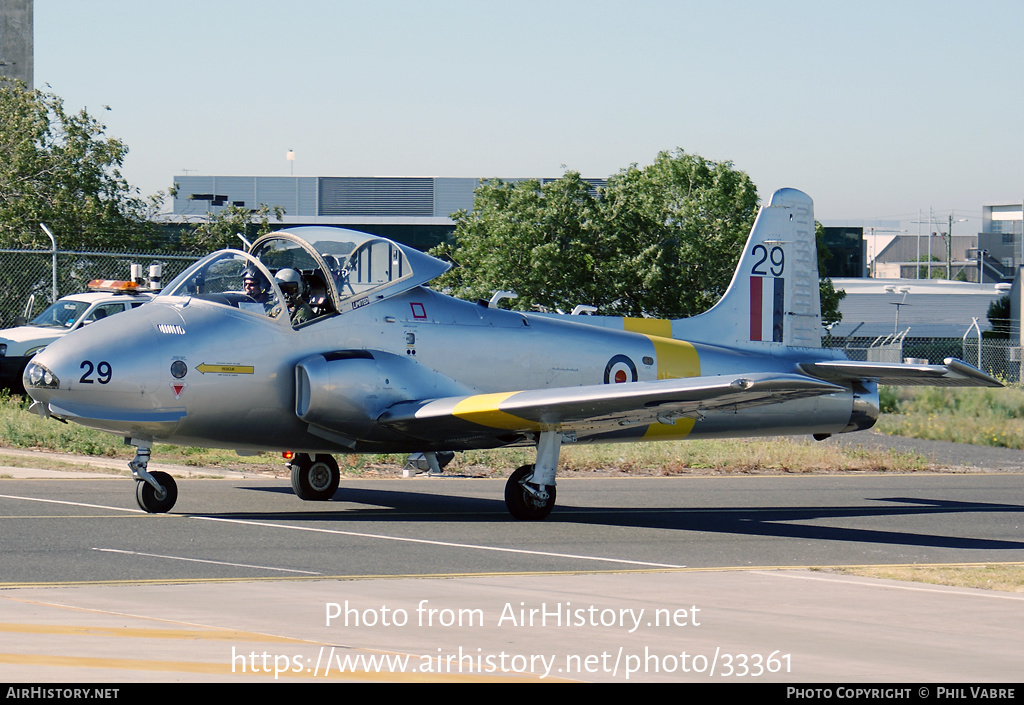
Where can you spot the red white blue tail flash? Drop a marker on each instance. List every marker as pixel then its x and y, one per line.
pixel 767 306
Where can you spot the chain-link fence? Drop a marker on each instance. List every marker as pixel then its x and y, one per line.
pixel 28 277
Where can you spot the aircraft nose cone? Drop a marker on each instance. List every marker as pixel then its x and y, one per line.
pixel 107 363
pixel 110 375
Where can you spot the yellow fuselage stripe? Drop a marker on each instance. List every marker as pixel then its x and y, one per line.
pixel 649 326
pixel 676 359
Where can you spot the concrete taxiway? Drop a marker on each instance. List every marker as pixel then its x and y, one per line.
pixel 702 579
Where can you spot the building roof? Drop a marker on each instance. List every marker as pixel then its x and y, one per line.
pixel 931 309
pixel 335 200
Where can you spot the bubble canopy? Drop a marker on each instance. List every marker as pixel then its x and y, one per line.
pixel 344 269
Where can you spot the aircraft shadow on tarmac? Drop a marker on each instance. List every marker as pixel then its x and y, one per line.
pixel 782 522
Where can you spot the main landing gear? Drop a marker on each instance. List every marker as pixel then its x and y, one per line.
pixel 155 491
pixel 314 479
pixel 530 490
pixel 524 498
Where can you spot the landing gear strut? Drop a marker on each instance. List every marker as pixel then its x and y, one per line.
pixel 155 491
pixel 530 490
pixel 314 479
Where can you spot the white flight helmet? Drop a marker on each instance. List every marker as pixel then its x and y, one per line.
pixel 291 282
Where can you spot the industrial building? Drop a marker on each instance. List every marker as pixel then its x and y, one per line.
pixel 922 308
pixel 992 255
pixel 16 40
pixel 412 210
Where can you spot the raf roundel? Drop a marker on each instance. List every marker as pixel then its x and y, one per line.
pixel 620 369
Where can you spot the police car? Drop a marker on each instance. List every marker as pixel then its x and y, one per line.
pixel 104 298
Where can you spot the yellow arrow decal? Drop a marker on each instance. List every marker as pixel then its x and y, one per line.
pixel 225 369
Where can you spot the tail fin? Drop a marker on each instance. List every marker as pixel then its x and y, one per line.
pixel 774 296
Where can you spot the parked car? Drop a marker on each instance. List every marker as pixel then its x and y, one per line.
pixel 104 298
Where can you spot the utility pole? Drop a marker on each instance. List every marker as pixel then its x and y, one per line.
pixel 949 249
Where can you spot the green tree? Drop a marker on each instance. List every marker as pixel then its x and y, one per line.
pixel 222 229
pixel 937 272
pixel 677 227
pixel 542 241
pixel 661 241
pixel 58 168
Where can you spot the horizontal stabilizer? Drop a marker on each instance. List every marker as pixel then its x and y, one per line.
pixel 953 373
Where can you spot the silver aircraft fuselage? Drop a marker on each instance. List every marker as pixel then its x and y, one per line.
pixel 239 390
pixel 323 340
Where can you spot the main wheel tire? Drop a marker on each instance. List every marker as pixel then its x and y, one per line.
pixel 523 505
pixel 147 497
pixel 316 479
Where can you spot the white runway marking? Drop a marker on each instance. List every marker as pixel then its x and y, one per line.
pixel 382 537
pixel 201 560
pixel 73 504
pixel 877 583
pixel 443 543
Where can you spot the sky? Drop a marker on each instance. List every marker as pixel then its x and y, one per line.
pixel 879 110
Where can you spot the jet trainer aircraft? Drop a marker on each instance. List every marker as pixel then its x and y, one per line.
pixel 323 340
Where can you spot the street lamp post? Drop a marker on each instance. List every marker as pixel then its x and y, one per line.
pixel 898 304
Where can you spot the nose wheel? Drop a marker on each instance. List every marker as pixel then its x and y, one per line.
pixel 157 501
pixel 155 491
pixel 315 479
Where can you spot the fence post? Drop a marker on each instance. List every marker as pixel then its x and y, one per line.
pixel 973 326
pixel 53 241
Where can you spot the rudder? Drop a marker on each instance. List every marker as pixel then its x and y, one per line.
pixel 774 297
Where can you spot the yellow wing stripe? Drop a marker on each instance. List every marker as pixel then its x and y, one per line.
pixel 483 409
pixel 666 432
pixel 675 359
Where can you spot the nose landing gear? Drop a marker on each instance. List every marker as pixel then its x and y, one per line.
pixel 155 491
pixel 157 501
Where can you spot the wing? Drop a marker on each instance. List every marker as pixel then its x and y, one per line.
pixel 595 408
pixel 953 373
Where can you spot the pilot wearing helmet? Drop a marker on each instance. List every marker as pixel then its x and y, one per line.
pixel 294 290
pixel 258 288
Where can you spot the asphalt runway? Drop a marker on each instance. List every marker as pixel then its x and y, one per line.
pixel 648 579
